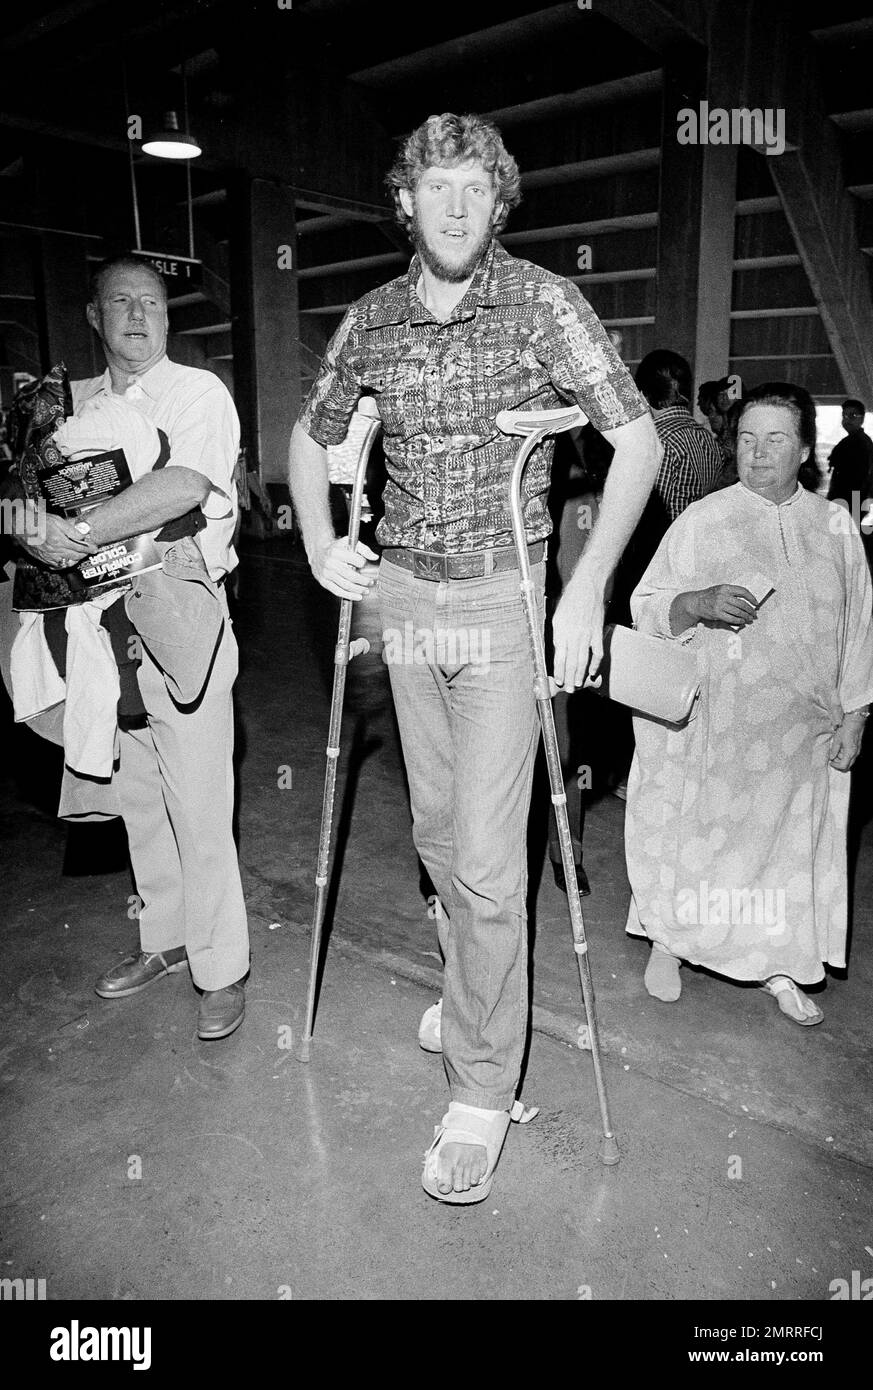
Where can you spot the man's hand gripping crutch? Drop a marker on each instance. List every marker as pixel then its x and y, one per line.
pixel 578 652
pixel 333 571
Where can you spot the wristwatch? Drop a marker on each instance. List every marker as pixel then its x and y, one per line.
pixel 83 528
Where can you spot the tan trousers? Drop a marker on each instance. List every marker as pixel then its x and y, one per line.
pixel 175 782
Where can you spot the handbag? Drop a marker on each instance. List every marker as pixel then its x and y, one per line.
pixel 653 676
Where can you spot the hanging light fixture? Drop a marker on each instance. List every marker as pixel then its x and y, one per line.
pixel 171 142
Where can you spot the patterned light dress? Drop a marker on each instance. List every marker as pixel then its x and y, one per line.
pixel 736 825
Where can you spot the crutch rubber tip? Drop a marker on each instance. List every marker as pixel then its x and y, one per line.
pixel 609 1153
pixel 303 1051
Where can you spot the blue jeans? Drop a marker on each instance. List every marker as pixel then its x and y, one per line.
pixel 461 670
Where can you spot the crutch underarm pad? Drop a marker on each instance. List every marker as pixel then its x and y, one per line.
pixel 549 421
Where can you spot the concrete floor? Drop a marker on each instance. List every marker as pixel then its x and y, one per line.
pixel 747 1142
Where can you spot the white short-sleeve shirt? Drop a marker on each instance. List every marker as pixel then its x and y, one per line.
pixel 198 416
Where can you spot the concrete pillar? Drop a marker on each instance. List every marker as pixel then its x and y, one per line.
pixel 695 234
pixel 266 334
pixel 61 282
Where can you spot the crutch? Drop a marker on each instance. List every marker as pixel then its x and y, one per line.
pixel 361 433
pixel 535 426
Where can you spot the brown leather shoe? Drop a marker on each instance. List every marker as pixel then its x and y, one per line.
pixel 140 970
pixel 221 1011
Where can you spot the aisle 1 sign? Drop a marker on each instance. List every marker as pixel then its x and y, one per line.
pixel 181 273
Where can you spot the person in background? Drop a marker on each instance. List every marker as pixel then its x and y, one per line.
pixel 851 460
pixel 692 462
pixel 690 468
pixel 720 403
pixel 707 404
pixel 736 822
pixel 173 784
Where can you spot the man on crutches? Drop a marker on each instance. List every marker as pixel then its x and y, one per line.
pixel 469 332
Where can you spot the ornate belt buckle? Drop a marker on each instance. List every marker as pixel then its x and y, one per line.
pixel 428 566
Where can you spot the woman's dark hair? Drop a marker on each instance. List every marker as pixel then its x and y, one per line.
pixel 707 395
pixel 797 399
pixel 664 379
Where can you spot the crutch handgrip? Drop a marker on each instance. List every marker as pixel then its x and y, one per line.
pixel 358 647
pixel 545 421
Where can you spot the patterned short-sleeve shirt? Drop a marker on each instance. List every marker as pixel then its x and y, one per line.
pixel 520 338
pixel 692 462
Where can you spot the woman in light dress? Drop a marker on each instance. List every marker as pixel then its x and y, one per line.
pixel 736 822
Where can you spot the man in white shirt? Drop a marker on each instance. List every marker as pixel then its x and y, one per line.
pixel 175 775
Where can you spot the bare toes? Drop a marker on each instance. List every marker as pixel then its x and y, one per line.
pixel 466 1168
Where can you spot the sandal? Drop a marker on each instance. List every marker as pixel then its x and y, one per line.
pixel 429 1038
pixel 787 995
pixel 467 1124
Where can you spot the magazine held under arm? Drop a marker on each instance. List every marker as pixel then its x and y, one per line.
pixel 69 462
pixel 71 488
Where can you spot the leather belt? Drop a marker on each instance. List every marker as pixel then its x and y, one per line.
pixel 472 564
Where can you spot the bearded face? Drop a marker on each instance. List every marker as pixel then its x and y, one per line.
pixel 453 212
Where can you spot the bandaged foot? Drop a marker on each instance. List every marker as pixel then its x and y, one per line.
pixel 459 1165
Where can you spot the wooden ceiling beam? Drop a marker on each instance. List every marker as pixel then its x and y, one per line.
pixel 823 231
pixel 631 162
pixel 57 18
pixel 751 207
pixel 635 85
pixel 630 222
pixel 767 262
pixel 836 34
pixel 662 25
pixel 319 272
pixel 325 222
pixel 629 321
pixel 778 70
pixel 854 121
pixel 614 277
pixel 15 120
pixel 351 208
pixel 481 43
pixel 801 312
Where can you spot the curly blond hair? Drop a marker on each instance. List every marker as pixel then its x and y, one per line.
pixel 447 140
